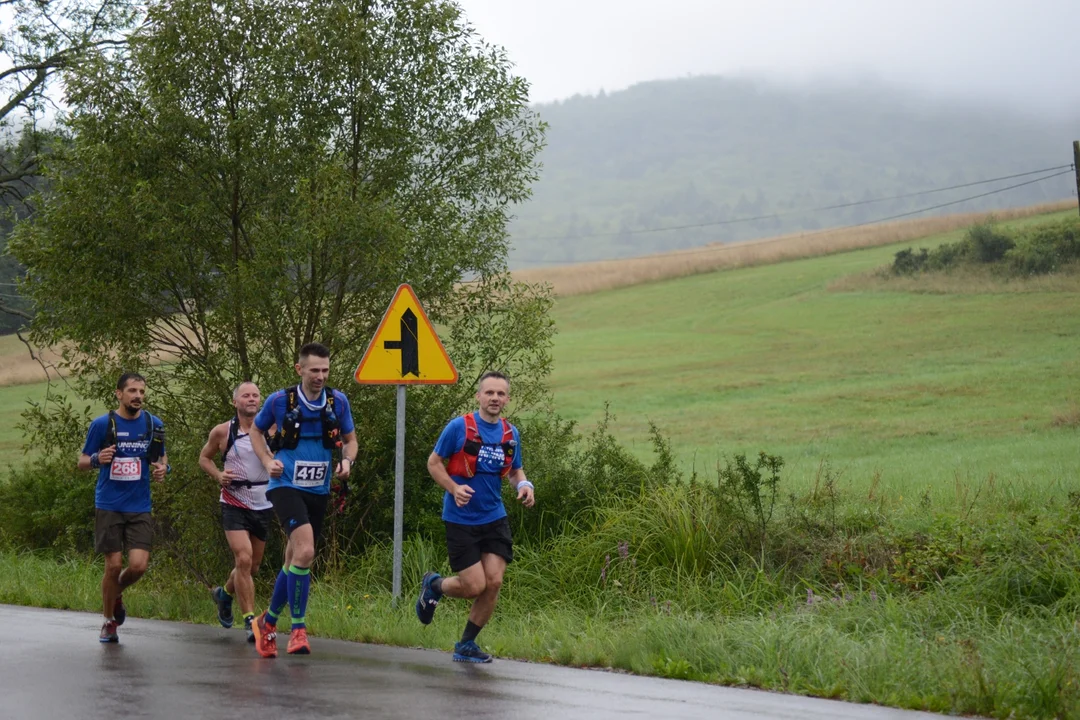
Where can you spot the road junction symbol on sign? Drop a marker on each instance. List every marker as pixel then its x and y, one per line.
pixel 406 350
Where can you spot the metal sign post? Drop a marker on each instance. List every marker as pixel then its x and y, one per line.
pixel 405 351
pixel 399 489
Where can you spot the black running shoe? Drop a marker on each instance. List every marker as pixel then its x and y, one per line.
pixel 247 628
pixel 119 612
pixel 224 606
pixel 428 600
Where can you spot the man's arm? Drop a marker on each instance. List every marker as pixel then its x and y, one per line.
pixel 159 468
pixel 215 443
pixel 93 461
pixel 437 469
pixel 348 454
pixel 524 488
pixel 262 451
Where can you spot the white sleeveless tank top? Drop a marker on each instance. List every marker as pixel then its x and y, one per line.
pixel 248 488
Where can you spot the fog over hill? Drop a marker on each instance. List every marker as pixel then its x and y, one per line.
pixel 712 151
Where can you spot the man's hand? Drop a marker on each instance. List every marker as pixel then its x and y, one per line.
pixel 525 494
pixel 343 469
pixel 274 468
pixel 105 457
pixel 157 470
pixel 462 495
pixel 225 478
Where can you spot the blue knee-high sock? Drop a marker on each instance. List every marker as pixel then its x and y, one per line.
pixel 299 586
pixel 280 597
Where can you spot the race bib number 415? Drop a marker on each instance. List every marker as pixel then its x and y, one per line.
pixel 126 469
pixel 309 474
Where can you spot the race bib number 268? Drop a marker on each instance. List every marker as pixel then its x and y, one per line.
pixel 309 474
pixel 126 469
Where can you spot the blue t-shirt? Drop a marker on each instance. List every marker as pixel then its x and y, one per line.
pixel 308 466
pixel 124 484
pixel 486 504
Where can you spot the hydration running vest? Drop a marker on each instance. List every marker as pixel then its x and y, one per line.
pixel 463 462
pixel 156 447
pixel 288 435
pixel 234 432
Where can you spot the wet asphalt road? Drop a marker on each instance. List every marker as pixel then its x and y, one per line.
pixel 52 666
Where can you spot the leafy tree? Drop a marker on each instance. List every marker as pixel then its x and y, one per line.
pixel 38 40
pixel 251 175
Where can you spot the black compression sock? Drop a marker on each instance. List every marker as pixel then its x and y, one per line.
pixel 436 586
pixel 471 631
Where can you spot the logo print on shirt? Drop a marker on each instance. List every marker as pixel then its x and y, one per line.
pixel 490 458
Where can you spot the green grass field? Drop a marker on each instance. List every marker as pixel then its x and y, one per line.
pixel 13 400
pixel 920 389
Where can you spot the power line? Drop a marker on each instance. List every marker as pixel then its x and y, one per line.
pixel 715 247
pixel 770 216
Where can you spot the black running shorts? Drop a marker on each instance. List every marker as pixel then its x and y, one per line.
pixel 119 531
pixel 297 507
pixel 255 522
pixel 466 543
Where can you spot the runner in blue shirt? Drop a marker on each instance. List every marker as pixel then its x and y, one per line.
pixel 472 456
pixel 312 423
pixel 127 447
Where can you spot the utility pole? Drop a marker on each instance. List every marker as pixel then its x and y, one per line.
pixel 1076 167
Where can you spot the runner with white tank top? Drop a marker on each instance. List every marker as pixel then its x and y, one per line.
pixel 247 488
pixel 246 513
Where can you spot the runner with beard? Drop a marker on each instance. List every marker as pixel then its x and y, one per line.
pixel 245 512
pixel 127 447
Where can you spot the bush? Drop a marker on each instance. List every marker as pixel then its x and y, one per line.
pixel 1046 248
pixel 986 244
pixel 910 262
pixel 1039 250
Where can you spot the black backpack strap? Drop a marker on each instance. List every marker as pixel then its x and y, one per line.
pixel 331 423
pixel 234 430
pixel 110 431
pixel 155 449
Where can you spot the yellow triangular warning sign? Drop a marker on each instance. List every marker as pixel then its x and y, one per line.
pixel 405 349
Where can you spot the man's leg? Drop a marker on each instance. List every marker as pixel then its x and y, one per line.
pixel 302 544
pixel 494 568
pixel 138 561
pixel 258 547
pixel 243 588
pixel 469 583
pixel 279 597
pixel 110 585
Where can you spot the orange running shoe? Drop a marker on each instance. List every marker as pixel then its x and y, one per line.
pixel 298 644
pixel 265 636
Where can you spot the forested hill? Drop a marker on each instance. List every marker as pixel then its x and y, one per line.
pixel 712 149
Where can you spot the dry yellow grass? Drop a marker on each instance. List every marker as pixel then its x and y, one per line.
pixel 17 367
pixel 590 277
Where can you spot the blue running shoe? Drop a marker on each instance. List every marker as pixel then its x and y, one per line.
pixel 224 607
pixel 470 652
pixel 428 600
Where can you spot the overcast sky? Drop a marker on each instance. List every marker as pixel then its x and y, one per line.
pixel 1023 49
